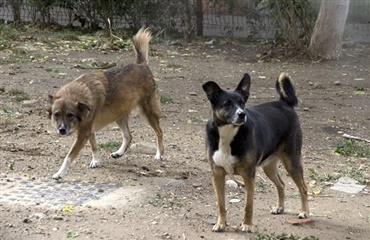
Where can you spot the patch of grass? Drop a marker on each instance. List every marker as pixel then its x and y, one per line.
pixel 194 120
pixel 5 44
pixel 174 66
pixel 7 117
pixel 51 69
pixel 9 32
pixel 261 186
pixel 68 35
pixel 166 99
pixel 283 236
pixel 322 177
pixel 350 147
pixel 353 172
pixel 19 94
pixel 110 146
pixel 165 202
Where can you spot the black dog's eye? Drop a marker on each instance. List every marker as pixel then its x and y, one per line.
pixel 70 115
pixel 227 103
pixel 241 102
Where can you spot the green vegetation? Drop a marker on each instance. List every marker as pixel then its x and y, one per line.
pixel 283 236
pixel 19 94
pixel 166 202
pixel 166 99
pixel 110 145
pixel 350 147
pixel 7 117
pixel 175 66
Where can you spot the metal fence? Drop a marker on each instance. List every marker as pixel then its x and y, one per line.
pixel 243 20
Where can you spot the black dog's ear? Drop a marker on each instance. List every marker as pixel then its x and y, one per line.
pixel 244 86
pixel 83 106
pixel 212 90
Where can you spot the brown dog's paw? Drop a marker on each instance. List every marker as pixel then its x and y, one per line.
pixel 219 228
pixel 246 228
pixel 116 155
pixel 302 215
pixel 277 210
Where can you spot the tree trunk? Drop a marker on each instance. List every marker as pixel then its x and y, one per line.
pixel 187 21
pixel 199 16
pixel 16 8
pixel 327 37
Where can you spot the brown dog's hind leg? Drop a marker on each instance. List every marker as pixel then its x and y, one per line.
pixel 293 165
pixel 152 111
pixel 271 172
pixel 126 136
pixel 218 180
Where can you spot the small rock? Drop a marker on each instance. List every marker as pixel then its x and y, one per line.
pixel 193 94
pixel 27 220
pixel 144 148
pixel 57 218
pixel 306 109
pixel 318 85
pixel 197 185
pixel 337 83
pixel 232 184
pixel 26 103
pixel 38 215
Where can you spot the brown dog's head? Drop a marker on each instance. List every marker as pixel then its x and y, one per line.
pixel 66 114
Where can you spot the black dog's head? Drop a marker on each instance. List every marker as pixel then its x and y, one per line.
pixel 228 106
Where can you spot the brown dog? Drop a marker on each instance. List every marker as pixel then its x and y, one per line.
pixel 94 100
pixel 239 139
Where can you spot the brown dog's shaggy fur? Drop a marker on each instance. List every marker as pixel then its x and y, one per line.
pixel 94 100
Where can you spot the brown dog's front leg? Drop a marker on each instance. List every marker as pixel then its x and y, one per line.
pixel 218 180
pixel 73 152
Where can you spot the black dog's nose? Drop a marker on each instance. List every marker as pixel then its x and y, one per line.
pixel 62 131
pixel 241 114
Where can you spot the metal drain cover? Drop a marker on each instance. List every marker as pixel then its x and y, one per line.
pixel 48 193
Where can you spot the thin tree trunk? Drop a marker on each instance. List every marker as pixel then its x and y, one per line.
pixel 16 8
pixel 199 16
pixel 187 21
pixel 327 37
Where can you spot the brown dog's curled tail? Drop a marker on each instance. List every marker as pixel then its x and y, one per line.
pixel 141 45
pixel 285 88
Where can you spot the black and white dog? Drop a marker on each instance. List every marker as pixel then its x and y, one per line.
pixel 239 139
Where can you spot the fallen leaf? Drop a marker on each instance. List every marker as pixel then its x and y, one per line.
pixel 72 234
pixel 68 208
pixel 316 192
pixel 360 92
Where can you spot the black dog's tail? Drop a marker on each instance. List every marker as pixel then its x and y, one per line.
pixel 285 88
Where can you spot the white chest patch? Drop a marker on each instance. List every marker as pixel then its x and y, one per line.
pixel 222 157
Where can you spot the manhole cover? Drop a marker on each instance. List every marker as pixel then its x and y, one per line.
pixel 51 194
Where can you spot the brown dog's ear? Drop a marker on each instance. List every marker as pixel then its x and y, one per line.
pixel 244 86
pixel 51 98
pixel 83 106
pixel 212 90
pixel 48 108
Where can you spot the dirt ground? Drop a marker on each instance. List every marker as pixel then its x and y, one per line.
pixel 174 197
